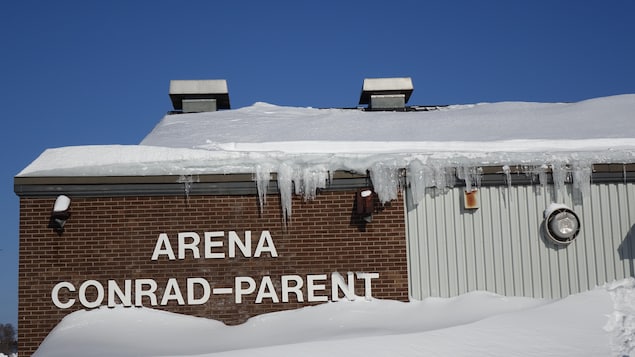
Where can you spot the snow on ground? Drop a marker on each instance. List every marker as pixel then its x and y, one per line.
pixel 600 322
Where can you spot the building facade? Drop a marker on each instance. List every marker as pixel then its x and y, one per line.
pixel 205 254
pixel 502 246
pixel 223 244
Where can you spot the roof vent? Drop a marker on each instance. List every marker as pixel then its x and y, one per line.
pixel 386 93
pixel 195 96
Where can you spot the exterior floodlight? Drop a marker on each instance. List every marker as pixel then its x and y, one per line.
pixel 365 204
pixel 60 213
pixel 562 225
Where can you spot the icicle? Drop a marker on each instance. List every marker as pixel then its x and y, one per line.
pixel 312 179
pixel 450 177
pixel 478 176
pixel 385 181
pixel 444 177
pixel 440 177
pixel 471 175
pixel 582 178
pixel 285 186
pixel 540 171
pixel 187 181
pixel 419 177
pixel 508 177
pixel 559 174
pixel 263 176
pixel 463 173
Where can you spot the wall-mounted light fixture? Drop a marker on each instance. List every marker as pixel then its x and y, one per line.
pixel 60 213
pixel 365 204
pixel 562 225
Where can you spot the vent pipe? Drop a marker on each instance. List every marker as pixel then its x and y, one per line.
pixel 386 93
pixel 195 96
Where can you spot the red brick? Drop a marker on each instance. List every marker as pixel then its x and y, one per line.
pixel 114 237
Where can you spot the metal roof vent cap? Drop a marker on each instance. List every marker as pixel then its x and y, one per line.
pixel 195 96
pixel 386 93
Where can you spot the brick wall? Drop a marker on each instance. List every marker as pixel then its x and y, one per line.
pixel 112 238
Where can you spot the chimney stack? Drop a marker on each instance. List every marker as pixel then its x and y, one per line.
pixel 195 96
pixel 386 93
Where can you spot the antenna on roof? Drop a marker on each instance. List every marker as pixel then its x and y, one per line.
pixel 195 96
pixel 386 93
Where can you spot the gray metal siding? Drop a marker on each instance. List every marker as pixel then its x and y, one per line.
pixel 499 247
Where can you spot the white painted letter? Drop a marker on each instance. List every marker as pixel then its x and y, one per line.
pixel 209 244
pixel 367 277
pixel 139 292
pixel 266 290
pixel 265 237
pixel 193 245
pixel 338 283
pixel 82 293
pixel 238 287
pixel 191 299
pixel 172 292
pixel 163 241
pixel 234 241
pixel 296 289
pixel 312 287
pixel 124 296
pixel 56 291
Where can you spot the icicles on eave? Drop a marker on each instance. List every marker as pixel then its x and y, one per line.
pixel 420 176
pixel 540 171
pixel 291 179
pixel 578 173
pixel 386 181
pixel 471 175
pixel 387 178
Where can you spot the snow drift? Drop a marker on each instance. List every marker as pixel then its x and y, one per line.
pixel 600 322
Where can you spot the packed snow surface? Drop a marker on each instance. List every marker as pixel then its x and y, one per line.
pixel 600 322
pixel 304 146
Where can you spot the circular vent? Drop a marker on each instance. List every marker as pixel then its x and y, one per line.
pixel 562 225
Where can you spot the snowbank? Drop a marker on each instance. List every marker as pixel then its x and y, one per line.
pixel 600 322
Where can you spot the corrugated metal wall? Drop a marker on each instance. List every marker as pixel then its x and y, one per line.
pixel 500 248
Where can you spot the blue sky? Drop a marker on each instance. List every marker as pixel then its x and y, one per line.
pixel 89 72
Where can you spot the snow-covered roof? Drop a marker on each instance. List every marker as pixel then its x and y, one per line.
pixel 305 144
pixel 239 140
